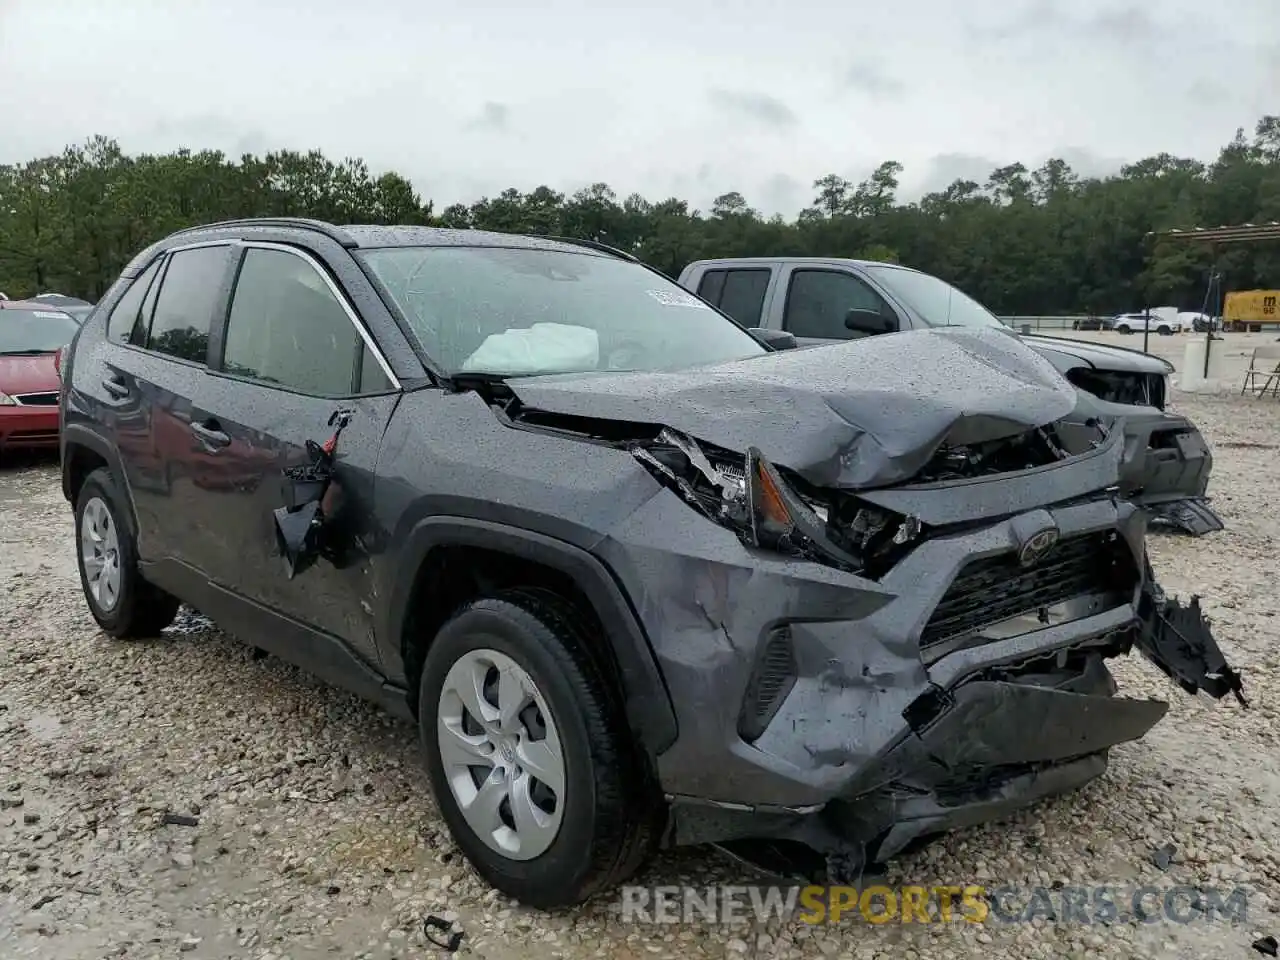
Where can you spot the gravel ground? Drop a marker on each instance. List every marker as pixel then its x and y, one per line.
pixel 313 833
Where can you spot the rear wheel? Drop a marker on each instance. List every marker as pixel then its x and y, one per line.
pixel 529 758
pixel 122 602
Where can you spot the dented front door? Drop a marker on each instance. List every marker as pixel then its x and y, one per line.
pixel 268 432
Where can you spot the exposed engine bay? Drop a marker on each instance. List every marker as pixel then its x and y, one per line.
pixel 771 507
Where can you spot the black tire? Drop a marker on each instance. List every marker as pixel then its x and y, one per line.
pixel 141 609
pixel 1123 328
pixel 612 814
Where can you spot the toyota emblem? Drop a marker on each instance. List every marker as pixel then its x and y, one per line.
pixel 1037 547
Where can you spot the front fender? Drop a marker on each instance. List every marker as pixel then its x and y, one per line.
pixel 79 435
pixel 648 704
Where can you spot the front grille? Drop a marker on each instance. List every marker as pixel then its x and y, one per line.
pixel 38 399
pixel 998 588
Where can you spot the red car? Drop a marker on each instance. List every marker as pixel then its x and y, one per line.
pixel 31 335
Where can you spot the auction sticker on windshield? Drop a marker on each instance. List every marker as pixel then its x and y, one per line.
pixel 675 298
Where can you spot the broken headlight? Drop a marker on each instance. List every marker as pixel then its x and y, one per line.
pixel 750 496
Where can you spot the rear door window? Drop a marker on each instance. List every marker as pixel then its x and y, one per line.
pixel 186 302
pixel 711 286
pixel 739 293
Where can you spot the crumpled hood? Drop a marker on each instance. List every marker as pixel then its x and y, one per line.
pixel 1100 356
pixel 860 414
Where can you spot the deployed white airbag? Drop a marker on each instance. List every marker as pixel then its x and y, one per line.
pixel 541 348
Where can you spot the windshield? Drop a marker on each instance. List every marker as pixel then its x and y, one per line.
pixel 520 312
pixel 937 302
pixel 35 331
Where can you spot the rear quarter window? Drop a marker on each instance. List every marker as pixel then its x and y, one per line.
pixel 124 315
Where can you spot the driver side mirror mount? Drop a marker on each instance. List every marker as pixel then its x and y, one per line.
pixel 869 321
pixel 774 339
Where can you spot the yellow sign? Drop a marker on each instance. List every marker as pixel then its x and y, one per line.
pixel 1251 306
pixel 880 904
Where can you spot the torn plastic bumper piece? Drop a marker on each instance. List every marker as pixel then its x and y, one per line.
pixel 971 755
pixel 989 747
pixel 1192 515
pixel 295 535
pixel 976 752
pixel 1177 639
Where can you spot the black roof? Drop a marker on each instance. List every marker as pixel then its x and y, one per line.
pixel 368 236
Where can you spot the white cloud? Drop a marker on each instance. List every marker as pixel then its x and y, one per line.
pixel 469 100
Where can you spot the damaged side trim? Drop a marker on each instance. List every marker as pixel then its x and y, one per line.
pixel 768 808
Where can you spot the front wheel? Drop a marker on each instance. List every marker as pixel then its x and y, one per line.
pixel 122 602
pixel 529 757
pixel 1123 328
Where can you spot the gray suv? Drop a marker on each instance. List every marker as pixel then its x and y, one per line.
pixel 638 578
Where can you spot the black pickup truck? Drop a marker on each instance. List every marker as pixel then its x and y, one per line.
pixel 823 300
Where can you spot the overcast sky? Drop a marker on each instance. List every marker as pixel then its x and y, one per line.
pixel 690 98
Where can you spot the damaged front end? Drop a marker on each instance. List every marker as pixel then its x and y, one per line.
pixel 747 494
pixel 981 684
pixel 892 612
pixel 777 510
pixel 1167 461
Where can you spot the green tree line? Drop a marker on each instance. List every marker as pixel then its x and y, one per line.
pixel 1027 241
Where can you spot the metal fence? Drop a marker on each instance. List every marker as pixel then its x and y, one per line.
pixel 1044 323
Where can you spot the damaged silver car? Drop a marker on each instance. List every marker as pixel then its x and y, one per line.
pixel 638 578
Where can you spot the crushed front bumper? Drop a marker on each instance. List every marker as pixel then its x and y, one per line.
pixel 870 727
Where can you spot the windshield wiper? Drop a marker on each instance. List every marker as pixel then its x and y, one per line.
pixel 25 353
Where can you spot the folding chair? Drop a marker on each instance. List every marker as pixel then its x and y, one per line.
pixel 1268 372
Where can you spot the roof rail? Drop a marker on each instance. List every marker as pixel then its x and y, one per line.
pixel 303 223
pixel 595 245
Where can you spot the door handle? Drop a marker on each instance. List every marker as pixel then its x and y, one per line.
pixel 210 434
pixel 115 387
